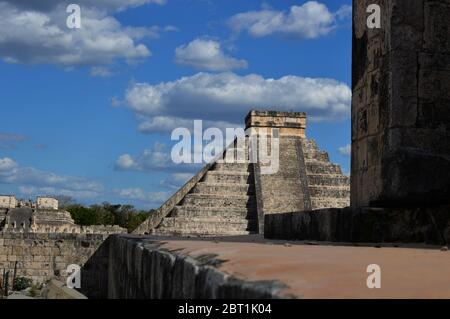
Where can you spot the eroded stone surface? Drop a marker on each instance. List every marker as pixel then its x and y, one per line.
pixel 400 113
pixel 251 267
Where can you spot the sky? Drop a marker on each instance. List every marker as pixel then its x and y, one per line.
pixel 88 112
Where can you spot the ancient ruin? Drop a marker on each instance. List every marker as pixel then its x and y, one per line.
pixel 38 240
pixel 400 175
pixel 43 216
pixel 399 194
pixel 232 198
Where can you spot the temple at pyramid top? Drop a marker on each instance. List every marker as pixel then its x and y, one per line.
pixel 226 199
pixel 288 123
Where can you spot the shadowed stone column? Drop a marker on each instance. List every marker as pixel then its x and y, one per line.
pixel 401 104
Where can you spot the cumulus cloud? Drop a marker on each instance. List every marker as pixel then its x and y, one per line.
pixel 308 21
pixel 345 150
pixel 6 165
pixel 226 97
pixel 10 141
pixel 157 158
pixel 207 55
pixel 32 180
pixel 150 159
pixel 35 32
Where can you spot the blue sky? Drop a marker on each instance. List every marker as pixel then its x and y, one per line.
pixel 88 112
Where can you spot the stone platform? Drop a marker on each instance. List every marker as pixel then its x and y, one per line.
pixel 363 224
pixel 253 267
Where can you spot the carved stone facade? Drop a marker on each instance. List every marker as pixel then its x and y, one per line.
pixel 29 220
pixel 8 201
pixel 46 203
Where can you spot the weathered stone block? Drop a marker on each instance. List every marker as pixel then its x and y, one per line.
pixel 437 29
pixel 404 119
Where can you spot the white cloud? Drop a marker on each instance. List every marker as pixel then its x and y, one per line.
pixel 33 180
pixel 207 55
pixel 345 150
pixel 37 34
pixel 308 21
pixel 6 165
pixel 150 159
pixel 157 158
pixel 227 97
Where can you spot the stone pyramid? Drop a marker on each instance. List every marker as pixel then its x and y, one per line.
pixel 228 199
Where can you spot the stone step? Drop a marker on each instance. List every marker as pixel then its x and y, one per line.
pixel 309 144
pixel 202 221
pixel 228 177
pixel 212 200
pixel 329 191
pixel 313 167
pixel 225 212
pixel 198 233
pixel 223 189
pixel 317 155
pixel 196 226
pixel 319 203
pixel 235 167
pixel 328 180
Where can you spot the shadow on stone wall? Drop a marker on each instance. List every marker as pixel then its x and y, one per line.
pixel 94 273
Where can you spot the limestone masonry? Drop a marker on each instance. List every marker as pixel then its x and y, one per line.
pixel 44 217
pixel 233 198
pixel 400 111
pixel 41 257
pixel 39 240
pixel 400 175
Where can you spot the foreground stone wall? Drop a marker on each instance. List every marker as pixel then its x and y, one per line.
pixel 138 268
pixel 45 256
pixel 363 225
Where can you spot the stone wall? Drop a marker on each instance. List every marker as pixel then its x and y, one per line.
pixel 287 190
pixel 138 268
pixel 363 225
pixel 287 123
pixel 400 107
pixel 58 290
pixel 44 256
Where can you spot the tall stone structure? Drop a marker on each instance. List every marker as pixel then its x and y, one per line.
pixel 401 105
pixel 233 198
pixel 400 178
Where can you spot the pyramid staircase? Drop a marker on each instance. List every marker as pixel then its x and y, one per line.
pixel 222 203
pixel 228 199
pixel 328 187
